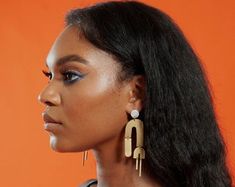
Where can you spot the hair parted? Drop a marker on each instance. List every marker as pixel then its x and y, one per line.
pixel 183 143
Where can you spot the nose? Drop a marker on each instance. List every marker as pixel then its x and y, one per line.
pixel 49 96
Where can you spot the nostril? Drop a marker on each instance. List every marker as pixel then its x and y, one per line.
pixel 48 103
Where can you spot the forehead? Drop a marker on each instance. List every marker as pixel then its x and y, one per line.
pixel 71 42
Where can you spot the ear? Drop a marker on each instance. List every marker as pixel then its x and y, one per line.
pixel 136 93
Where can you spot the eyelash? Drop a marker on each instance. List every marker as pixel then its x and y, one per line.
pixel 65 75
pixel 47 74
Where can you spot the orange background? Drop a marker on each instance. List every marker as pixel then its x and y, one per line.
pixel 27 31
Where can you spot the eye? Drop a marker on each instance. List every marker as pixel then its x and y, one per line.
pixel 71 76
pixel 47 74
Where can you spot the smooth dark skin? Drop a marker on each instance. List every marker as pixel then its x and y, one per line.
pixel 93 109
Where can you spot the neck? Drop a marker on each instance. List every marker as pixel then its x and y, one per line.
pixel 115 170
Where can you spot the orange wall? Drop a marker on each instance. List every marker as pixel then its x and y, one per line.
pixel 27 31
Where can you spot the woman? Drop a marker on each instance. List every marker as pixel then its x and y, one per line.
pixel 125 83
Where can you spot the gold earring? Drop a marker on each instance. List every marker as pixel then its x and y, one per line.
pixel 84 157
pixel 139 152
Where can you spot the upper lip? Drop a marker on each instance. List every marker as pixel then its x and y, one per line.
pixel 48 119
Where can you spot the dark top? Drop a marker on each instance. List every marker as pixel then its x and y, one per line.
pixel 89 183
pixel 94 181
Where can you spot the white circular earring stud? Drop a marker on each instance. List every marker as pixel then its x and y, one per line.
pixel 134 113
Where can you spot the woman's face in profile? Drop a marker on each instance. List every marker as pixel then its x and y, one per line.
pixel 82 94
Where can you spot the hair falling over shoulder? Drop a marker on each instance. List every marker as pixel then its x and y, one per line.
pixel 183 143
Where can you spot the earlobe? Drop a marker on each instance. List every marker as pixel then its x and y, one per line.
pixel 136 94
pixel 134 102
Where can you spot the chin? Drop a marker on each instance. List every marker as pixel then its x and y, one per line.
pixel 57 145
pixel 60 146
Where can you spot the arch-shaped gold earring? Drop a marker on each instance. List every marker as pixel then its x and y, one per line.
pixel 139 152
pixel 84 157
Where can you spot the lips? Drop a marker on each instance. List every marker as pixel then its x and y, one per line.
pixel 48 119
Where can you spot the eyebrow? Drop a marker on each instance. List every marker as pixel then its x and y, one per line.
pixel 70 58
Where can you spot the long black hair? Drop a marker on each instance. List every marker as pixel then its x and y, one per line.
pixel 183 143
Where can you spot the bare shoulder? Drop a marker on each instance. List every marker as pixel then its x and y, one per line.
pixel 89 183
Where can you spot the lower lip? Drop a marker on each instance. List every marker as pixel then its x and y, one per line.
pixel 52 127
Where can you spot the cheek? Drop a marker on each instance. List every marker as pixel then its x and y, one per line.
pixel 94 109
